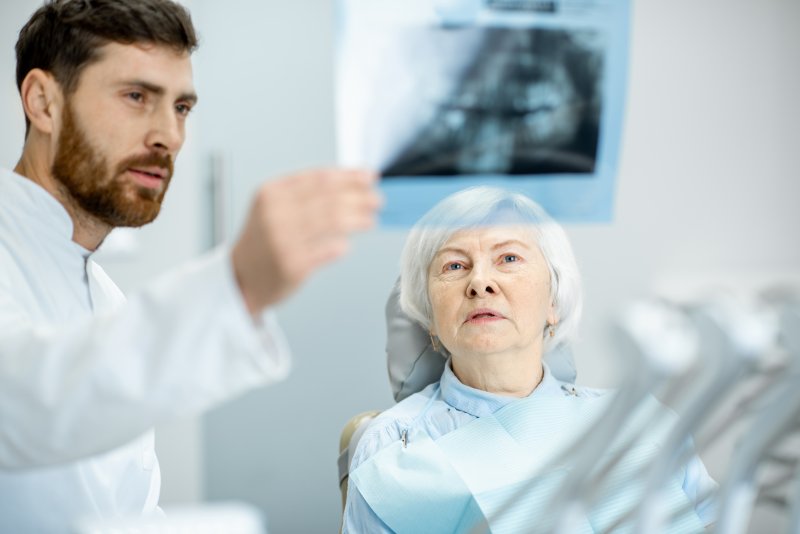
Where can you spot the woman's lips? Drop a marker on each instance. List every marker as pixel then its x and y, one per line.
pixel 484 315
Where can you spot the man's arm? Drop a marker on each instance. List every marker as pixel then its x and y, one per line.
pixel 184 343
pixel 192 338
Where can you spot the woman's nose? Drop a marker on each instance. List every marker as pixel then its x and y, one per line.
pixel 481 285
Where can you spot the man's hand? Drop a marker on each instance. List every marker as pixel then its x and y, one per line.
pixel 297 224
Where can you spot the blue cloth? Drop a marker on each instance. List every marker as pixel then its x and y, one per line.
pixel 456 406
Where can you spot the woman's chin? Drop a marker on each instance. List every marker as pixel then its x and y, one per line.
pixel 482 350
pixel 492 349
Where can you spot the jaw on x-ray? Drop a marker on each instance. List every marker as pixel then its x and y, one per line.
pixel 518 101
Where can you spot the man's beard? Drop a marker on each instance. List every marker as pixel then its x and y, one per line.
pixel 100 191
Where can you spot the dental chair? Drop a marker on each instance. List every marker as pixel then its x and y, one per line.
pixel 413 364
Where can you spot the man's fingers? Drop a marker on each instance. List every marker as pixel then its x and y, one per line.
pixel 296 225
pixel 325 182
pixel 325 252
pixel 347 212
pixel 325 210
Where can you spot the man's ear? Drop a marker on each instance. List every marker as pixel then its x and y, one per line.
pixel 42 99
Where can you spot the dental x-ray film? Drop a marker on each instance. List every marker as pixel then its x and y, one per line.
pixel 439 95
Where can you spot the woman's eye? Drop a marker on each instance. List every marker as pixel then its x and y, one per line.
pixel 510 258
pixel 453 267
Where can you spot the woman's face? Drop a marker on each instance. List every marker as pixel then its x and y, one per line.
pixel 490 292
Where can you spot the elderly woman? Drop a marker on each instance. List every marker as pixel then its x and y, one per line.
pixel 494 281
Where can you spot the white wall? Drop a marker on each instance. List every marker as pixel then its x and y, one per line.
pixel 708 184
pixel 12 121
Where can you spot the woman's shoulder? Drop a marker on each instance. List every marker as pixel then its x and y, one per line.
pixel 388 426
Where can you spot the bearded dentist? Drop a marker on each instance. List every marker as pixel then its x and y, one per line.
pixel 106 86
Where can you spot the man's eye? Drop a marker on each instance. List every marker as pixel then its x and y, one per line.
pixel 453 267
pixel 510 258
pixel 136 96
pixel 183 109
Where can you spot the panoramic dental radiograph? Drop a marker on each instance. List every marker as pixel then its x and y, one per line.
pixel 517 101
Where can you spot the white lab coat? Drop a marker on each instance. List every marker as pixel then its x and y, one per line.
pixel 84 375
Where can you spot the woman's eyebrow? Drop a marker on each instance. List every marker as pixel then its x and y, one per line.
pixel 451 249
pixel 508 242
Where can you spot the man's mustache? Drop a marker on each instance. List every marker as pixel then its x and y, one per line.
pixel 152 159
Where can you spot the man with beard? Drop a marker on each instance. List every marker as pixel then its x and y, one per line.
pixel 106 87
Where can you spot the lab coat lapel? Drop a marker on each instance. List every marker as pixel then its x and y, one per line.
pixel 104 294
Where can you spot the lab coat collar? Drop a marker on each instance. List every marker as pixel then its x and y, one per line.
pixel 481 403
pixel 30 202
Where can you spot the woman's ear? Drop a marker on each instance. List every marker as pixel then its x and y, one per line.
pixel 552 316
pixel 42 100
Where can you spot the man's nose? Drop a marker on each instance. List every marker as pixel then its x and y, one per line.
pixel 166 132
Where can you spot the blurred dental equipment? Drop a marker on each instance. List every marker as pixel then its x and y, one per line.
pixel 791 331
pixel 733 338
pixel 699 358
pixel 774 420
pixel 658 344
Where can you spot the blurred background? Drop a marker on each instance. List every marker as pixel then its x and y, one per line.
pixel 707 195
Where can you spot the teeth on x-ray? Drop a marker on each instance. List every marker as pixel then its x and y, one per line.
pixel 541 6
pixel 528 103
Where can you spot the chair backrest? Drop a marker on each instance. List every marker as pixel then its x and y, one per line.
pixel 348 440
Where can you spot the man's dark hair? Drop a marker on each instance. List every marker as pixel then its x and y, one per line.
pixel 64 36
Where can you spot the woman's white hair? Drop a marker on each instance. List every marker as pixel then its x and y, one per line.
pixel 491 206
